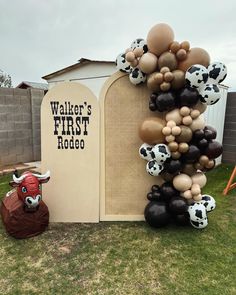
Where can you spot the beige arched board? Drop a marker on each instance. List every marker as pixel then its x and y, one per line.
pixel 124 181
pixel 70 150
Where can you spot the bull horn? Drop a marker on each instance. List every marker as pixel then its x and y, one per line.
pixel 43 176
pixel 18 179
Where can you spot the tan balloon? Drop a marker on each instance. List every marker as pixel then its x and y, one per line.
pixel 168 59
pixel 148 63
pixel 197 198
pixel 203 160
pixel 187 195
pixel 210 164
pixel 201 107
pixel 185 45
pixel 166 130
pixel 182 182
pixel 152 84
pixel 198 166
pixel 174 116
pixel 185 135
pixel 168 77
pixel 138 52
pixel 173 146
pixel 174 46
pixel 200 179
pixel 187 120
pixel 183 148
pixel 197 123
pixel 181 54
pixel 195 56
pixel 150 130
pixel 195 189
pixel 159 38
pixel 184 111
pixel 164 70
pixel 170 138
pixel 130 56
pixel 176 130
pixel 176 155
pixel 178 80
pixel 195 113
pixel 165 86
pixel 134 63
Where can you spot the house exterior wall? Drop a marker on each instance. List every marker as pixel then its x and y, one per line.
pixel 20 125
pixel 229 141
pixel 92 75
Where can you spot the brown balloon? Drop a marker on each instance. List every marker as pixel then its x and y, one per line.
pixel 195 56
pixel 159 38
pixel 185 45
pixel 152 84
pixel 174 46
pixel 150 130
pixel 148 63
pixel 178 80
pixel 185 135
pixel 181 54
pixel 168 59
pixel 189 169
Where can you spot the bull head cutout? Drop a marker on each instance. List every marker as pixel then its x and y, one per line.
pixel 29 187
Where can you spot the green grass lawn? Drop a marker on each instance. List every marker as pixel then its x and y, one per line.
pixel 126 257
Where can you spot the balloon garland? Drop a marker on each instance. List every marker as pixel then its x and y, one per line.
pixel 179 147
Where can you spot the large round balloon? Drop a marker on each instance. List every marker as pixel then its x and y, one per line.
pixel 209 94
pixel 197 212
pixel 122 64
pixel 178 205
pixel 196 76
pixel 195 56
pixel 165 101
pixel 159 38
pixel 160 153
pixel 188 97
pixel 148 63
pixel 145 151
pixel 182 182
pixel 168 59
pixel 156 214
pixel 150 130
pixel 209 202
pixel 217 72
pixel 213 150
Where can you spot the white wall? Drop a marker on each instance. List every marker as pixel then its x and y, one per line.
pixel 215 117
pixel 93 75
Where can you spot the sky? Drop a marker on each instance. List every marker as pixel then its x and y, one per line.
pixel 40 37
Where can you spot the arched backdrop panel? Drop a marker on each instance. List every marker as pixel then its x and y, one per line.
pixel 124 181
pixel 72 194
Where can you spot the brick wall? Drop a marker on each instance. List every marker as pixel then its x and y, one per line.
pixel 229 140
pixel 19 125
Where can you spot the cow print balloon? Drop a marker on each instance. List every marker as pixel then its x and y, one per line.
pixel 210 94
pixel 153 168
pixel 209 202
pixel 139 43
pixel 160 153
pixel 199 224
pixel 197 212
pixel 136 76
pixel 122 64
pixel 196 76
pixel 145 151
pixel 217 72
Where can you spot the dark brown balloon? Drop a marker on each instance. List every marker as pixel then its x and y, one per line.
pixel 185 135
pixel 150 130
pixel 214 150
pixel 168 59
pixel 192 154
pixel 178 80
pixel 195 56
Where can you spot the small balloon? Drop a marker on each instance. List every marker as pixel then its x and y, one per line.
pixel 165 101
pixel 148 63
pixel 160 153
pixel 197 212
pixel 172 166
pixel 199 224
pixel 192 155
pixel 139 43
pixel 153 168
pixel 209 202
pixel 145 151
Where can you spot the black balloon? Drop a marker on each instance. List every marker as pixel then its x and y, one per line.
pixel 210 133
pixel 198 134
pixel 156 214
pixel 178 205
pixel 168 191
pixel 152 106
pixel 165 101
pixel 202 144
pixel 192 154
pixel 188 97
pixel 155 188
pixel 182 219
pixel 172 166
pixel 213 150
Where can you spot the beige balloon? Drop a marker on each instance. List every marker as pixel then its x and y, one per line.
pixel 174 116
pixel 159 38
pixel 200 179
pixel 182 182
pixel 148 63
pixel 197 123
